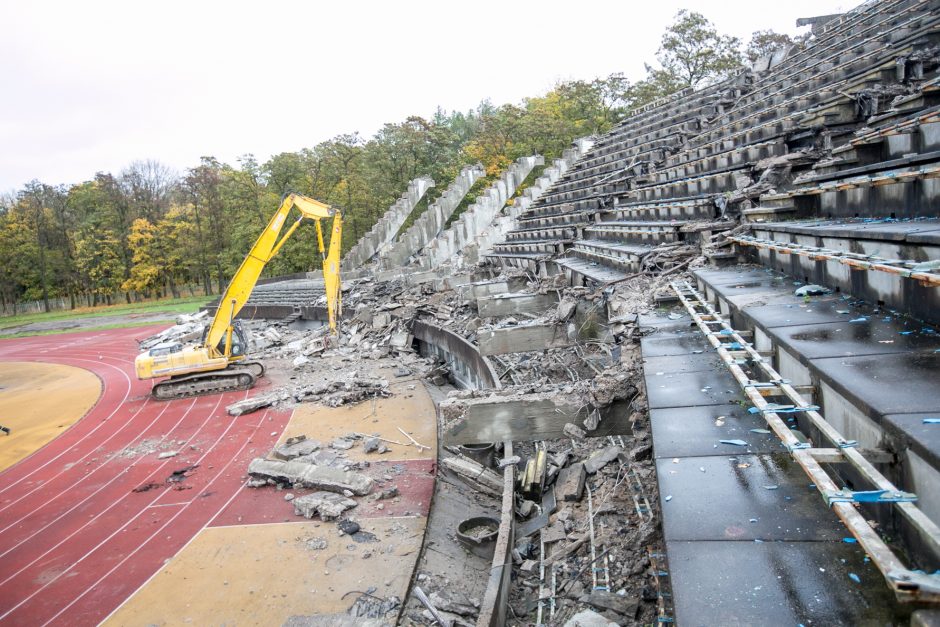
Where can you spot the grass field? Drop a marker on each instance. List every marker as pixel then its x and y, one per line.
pixel 104 317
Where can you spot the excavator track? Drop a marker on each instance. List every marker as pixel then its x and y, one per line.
pixel 228 380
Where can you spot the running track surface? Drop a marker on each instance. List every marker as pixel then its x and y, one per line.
pixel 76 539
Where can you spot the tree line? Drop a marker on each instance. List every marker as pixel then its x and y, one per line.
pixel 151 231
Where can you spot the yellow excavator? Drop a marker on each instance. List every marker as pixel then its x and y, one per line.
pixel 219 363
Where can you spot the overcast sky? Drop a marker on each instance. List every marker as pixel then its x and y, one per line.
pixel 91 86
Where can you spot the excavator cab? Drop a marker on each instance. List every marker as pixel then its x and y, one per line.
pixel 240 341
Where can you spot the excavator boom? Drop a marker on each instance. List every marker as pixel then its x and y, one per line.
pixel 218 363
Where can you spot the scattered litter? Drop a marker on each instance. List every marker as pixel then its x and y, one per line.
pixel 734 442
pixel 771 487
pixel 763 431
pixel 812 290
pixel 932 421
pixel 668 498
pixel 855 578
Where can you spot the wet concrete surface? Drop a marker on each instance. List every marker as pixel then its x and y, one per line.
pixel 777 583
pixel 742 497
pixel 678 343
pixel 697 431
pixel 675 364
pixel 847 339
pixel 911 431
pixel 691 389
pixel 900 383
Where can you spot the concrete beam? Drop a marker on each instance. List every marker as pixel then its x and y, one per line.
pixel 534 337
pixel 384 231
pixel 525 417
pixel 509 304
pixel 482 289
pixel 432 221
pixel 497 420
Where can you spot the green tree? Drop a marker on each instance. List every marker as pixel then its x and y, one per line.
pixel 764 42
pixel 694 54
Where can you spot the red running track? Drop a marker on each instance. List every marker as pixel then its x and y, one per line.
pixel 76 540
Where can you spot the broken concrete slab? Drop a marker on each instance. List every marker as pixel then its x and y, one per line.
pixel 251 404
pixel 589 618
pixel 295 447
pixel 570 484
pixel 601 458
pixel 521 339
pixel 328 505
pixel 622 604
pixel 310 476
pixel 509 304
pixel 530 417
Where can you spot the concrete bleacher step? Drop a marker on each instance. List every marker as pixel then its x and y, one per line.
pixel 583 271
pixel 604 252
pixel 748 540
pixel 874 373
pixel 636 231
pixel 905 243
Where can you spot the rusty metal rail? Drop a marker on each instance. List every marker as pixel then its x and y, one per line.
pixel 761 381
pixel 856 261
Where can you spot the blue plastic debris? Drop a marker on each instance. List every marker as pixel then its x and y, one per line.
pixel 734 442
pixel 932 421
pixel 849 540
pixel 855 578
pixel 760 431
pixel 905 333
pixel 862 319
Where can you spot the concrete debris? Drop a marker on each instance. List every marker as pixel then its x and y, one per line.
pixel 291 473
pixel 295 447
pixel 327 505
pixel 341 444
pixel 570 484
pixel 371 445
pixel 589 618
pixel 249 405
pixel 185 333
pixel 168 454
pixel 199 317
pixel 480 477
pixel 601 458
pixel 574 431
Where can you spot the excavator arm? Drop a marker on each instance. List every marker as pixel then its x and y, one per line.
pixel 265 248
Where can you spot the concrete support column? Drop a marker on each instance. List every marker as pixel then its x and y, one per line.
pixel 431 222
pixel 384 231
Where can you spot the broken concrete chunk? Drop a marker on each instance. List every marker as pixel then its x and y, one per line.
pixel 168 454
pixel 296 447
pixel 570 485
pixel 589 618
pixel 309 476
pixel 370 445
pixel 574 431
pixel 622 604
pixel 327 505
pixel 300 361
pixel 601 458
pixel 251 404
pixel 273 334
pixel 566 309
pixel 401 340
pixel 341 444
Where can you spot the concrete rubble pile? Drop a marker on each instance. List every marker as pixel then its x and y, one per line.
pixel 321 480
pixel 188 329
